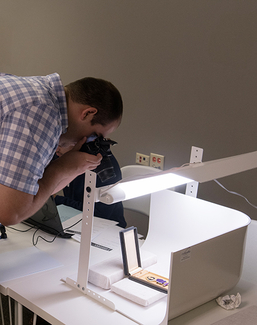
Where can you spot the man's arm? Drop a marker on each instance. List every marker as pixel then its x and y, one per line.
pixel 16 206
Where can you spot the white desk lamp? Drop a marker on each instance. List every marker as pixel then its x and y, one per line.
pixel 127 189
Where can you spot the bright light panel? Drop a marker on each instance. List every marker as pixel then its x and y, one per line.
pixel 138 187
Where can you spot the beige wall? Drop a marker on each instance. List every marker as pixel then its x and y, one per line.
pixel 187 71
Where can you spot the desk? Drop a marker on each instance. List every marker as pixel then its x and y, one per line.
pixel 44 293
pixel 55 301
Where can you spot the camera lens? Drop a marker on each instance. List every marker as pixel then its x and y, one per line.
pixel 105 170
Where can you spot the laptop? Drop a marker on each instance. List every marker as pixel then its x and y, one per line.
pixel 48 219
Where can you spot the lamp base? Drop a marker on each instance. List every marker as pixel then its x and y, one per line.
pixel 90 293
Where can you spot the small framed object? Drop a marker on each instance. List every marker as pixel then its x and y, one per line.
pixel 132 262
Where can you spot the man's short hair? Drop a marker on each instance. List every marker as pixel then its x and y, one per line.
pixel 100 94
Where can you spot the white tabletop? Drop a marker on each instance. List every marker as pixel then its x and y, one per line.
pixel 44 293
pixel 42 290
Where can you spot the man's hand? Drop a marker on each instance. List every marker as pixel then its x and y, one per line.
pixel 71 164
pixel 74 159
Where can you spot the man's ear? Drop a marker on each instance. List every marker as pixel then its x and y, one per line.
pixel 88 113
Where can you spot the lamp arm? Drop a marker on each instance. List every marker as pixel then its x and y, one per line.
pixel 214 169
pixel 200 172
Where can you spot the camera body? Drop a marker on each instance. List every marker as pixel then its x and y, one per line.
pixel 101 145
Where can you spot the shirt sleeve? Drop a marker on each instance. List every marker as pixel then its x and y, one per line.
pixel 28 139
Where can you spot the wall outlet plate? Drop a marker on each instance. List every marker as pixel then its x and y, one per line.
pixel 157 161
pixel 142 159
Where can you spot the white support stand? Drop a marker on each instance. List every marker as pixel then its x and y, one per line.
pixel 85 243
pixel 195 157
pixel 86 229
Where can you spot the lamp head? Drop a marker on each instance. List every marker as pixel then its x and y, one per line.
pixel 135 187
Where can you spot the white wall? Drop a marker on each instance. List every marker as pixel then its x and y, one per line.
pixel 186 69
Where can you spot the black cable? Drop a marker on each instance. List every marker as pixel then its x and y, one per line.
pixel 9 227
pixel 73 224
pixel 235 193
pixel 34 242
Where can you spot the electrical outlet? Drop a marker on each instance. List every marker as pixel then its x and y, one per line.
pixel 157 161
pixel 142 159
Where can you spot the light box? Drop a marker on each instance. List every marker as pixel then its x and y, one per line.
pixel 210 236
pixel 199 247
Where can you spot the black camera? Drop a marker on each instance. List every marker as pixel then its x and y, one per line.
pixel 101 145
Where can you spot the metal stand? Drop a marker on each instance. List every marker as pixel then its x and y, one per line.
pixel 195 157
pixel 85 244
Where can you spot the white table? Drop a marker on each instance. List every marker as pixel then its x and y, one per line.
pixel 43 292
pixel 55 301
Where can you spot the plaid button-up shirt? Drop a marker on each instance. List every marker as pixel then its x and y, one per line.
pixel 33 115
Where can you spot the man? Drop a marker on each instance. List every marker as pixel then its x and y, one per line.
pixel 37 114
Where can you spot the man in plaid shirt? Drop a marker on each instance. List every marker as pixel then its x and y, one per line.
pixel 37 114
